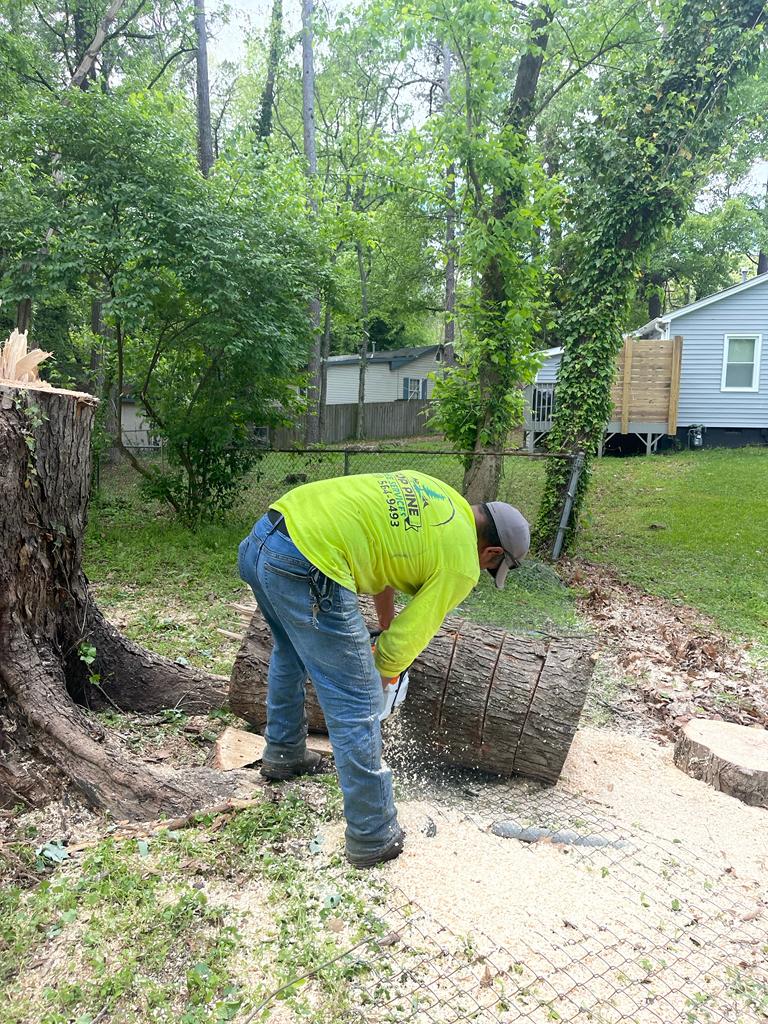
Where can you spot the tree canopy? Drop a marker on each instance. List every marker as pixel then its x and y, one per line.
pixel 510 176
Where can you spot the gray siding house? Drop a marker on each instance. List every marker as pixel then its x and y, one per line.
pixel 724 370
pixel 723 382
pixel 403 374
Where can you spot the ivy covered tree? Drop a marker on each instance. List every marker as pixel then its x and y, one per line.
pixel 639 165
pixel 517 71
pixel 508 198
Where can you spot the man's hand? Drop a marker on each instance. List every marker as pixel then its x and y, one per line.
pixel 385 607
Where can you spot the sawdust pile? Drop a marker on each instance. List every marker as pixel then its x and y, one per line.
pixel 474 880
pixel 669 895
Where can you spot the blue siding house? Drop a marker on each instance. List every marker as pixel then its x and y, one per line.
pixel 723 383
pixel 724 370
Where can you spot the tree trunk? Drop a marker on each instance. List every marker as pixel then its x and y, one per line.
pixel 24 316
pixel 449 332
pixel 482 476
pixel 730 758
pixel 47 618
pixel 478 697
pixel 264 127
pixel 325 351
pixel 363 273
pixel 79 18
pixel 762 257
pixel 204 135
pixel 609 233
pixel 310 153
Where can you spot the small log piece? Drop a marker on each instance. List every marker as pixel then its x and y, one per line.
pixel 731 758
pixel 238 748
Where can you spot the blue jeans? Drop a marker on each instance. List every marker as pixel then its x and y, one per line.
pixel 334 648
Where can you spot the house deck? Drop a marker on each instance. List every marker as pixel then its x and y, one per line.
pixel 645 394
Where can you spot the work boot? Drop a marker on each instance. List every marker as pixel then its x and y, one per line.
pixel 369 860
pixel 312 763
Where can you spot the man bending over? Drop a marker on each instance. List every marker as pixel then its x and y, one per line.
pixel 306 561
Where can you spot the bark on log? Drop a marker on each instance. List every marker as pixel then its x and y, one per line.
pixel 46 615
pixel 478 697
pixel 731 758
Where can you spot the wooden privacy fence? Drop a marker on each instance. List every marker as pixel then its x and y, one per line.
pixel 645 394
pixel 382 419
pixel 646 391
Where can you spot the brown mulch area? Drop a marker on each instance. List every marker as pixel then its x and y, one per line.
pixel 679 663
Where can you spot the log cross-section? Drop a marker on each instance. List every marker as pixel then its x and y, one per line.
pixel 729 757
pixel 479 697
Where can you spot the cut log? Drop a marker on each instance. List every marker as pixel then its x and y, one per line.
pixel 478 697
pixel 236 748
pixel 47 617
pixel 730 758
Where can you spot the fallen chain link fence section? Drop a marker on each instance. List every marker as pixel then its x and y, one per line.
pixel 685 941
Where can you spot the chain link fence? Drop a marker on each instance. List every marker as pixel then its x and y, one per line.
pixel 673 936
pixel 277 470
pixel 521 484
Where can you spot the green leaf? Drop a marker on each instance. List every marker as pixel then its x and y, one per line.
pixel 54 852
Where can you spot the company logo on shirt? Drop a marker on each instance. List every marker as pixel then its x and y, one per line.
pixel 407 498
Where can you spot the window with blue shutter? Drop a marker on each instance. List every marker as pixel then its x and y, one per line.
pixel 406 385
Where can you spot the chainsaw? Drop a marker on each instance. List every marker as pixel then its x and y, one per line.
pixel 395 688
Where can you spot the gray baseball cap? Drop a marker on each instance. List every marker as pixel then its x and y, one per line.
pixel 514 536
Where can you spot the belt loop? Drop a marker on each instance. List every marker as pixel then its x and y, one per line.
pixel 277 519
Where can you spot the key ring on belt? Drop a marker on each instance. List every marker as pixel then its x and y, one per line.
pixel 321 588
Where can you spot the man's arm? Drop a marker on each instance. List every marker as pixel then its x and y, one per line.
pixel 418 622
pixel 385 607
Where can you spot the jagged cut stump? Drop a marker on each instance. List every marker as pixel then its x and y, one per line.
pixel 48 734
pixel 478 697
pixel 730 758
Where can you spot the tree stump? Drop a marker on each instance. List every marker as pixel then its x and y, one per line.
pixel 478 697
pixel 47 616
pixel 728 757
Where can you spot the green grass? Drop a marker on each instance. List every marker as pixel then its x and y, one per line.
pixel 127 932
pixel 692 527
pixel 127 936
pixel 172 588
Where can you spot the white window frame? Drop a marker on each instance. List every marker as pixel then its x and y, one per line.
pixel 411 381
pixel 758 340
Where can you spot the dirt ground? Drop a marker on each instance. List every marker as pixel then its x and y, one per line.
pixel 658 914
pixel 667 659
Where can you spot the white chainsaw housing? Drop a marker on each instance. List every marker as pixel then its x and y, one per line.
pixel 394 695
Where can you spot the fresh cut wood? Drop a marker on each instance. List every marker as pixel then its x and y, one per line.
pixel 731 758
pixel 238 748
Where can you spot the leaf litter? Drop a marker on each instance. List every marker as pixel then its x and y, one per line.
pixel 680 665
